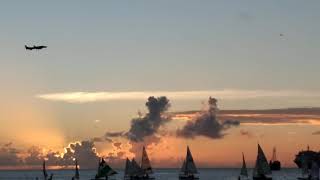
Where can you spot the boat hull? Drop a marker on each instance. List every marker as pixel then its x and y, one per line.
pixel 139 178
pixel 188 178
pixel 262 178
pixel 275 166
pixel 243 177
pixel 303 178
pixel 307 178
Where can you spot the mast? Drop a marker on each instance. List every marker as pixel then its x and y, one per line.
pixel 77 175
pixel 262 166
pixel 45 174
pixel 274 154
pixel 244 171
pixel 145 162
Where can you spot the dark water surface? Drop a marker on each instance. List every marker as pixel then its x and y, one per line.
pixel 160 174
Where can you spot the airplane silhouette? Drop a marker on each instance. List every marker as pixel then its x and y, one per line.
pixel 34 47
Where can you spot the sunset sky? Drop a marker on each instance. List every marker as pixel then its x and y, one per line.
pixel 105 58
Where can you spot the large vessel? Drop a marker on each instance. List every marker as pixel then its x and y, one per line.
pixel 307 155
pixel 275 165
pixel 262 169
pixel 244 172
pixel 304 171
pixel 314 174
pixel 188 170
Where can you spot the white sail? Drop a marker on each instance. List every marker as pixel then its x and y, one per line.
pixel 190 167
pixel 145 162
pixel 314 171
pixel 262 167
pixel 244 171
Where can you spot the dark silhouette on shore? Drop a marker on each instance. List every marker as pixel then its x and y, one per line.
pixel 34 47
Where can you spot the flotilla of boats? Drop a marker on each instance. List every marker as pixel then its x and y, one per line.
pixel 133 171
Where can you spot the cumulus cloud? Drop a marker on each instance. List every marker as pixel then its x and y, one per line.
pixel 117 144
pixel 9 155
pixel 206 124
pixel 85 97
pixel 149 124
pixel 290 116
pixel 83 151
pixel 316 133
pixel 115 134
pixel 246 133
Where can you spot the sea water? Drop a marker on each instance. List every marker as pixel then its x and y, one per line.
pixel 160 174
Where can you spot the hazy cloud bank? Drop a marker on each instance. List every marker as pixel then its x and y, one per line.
pixel 85 97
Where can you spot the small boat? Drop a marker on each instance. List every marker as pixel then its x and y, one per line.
pixel 135 172
pixel 76 175
pixel 104 170
pixel 188 170
pixel 262 169
pixel 44 171
pixel 275 165
pixel 128 171
pixel 244 172
pixel 146 166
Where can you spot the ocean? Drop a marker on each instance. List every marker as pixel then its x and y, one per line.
pixel 160 174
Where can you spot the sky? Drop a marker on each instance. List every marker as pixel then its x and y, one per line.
pixel 104 59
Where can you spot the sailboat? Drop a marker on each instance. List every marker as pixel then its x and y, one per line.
pixel 188 169
pixel 274 164
pixel 104 170
pixel 262 169
pixel 146 165
pixel 135 172
pixel 44 171
pixel 128 171
pixel 76 175
pixel 244 172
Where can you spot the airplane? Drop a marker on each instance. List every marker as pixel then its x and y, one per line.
pixel 34 47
